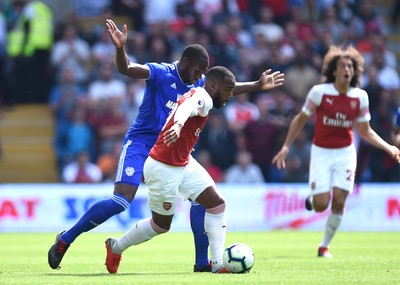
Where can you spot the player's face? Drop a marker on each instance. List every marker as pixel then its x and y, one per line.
pixel 197 69
pixel 224 92
pixel 344 72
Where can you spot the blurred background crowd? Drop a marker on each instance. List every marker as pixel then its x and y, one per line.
pixel 67 61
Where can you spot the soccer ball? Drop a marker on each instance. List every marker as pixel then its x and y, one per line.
pixel 238 258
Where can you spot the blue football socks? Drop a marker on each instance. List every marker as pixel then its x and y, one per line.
pixel 197 213
pixel 99 213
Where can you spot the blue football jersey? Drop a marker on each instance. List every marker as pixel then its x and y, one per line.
pixel 163 88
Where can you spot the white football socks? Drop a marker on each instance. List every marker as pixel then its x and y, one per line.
pixel 332 224
pixel 142 231
pixel 215 226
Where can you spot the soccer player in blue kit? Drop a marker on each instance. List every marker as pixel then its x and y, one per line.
pixel 165 83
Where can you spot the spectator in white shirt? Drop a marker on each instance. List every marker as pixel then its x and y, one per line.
pixel 244 171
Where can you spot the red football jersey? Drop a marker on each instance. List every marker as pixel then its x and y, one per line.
pixel 336 114
pixel 199 103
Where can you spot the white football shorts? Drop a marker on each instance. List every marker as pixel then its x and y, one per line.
pixel 332 167
pixel 166 183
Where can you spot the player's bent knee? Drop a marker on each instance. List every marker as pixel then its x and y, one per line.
pixel 126 190
pixel 218 209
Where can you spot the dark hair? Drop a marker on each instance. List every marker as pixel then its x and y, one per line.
pixel 331 58
pixel 219 73
pixel 195 52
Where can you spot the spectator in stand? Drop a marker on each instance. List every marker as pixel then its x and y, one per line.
pixel 244 170
pixel 373 88
pixel 305 31
pixel 344 10
pixel 4 84
pixel 65 96
pixel 382 167
pixel 159 48
pixel 73 52
pixel 90 8
pixel 109 123
pixel 372 20
pixel 137 44
pixel 261 136
pixel 281 9
pixel 108 162
pixel 106 86
pixel 377 43
pixel 266 26
pixel 132 9
pixel 133 99
pixel 184 19
pixel 388 77
pixel 301 75
pixel 330 23
pixel 224 47
pixel 106 114
pixel 204 158
pixel 240 111
pixel 77 136
pixel 394 15
pixel 206 9
pixel 29 44
pixel 243 37
pixel 298 160
pixel 81 170
pixel 103 50
pixel 219 140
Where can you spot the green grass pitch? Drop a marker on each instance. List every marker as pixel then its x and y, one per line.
pixel 282 257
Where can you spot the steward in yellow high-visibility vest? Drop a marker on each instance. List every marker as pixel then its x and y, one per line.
pixel 31 32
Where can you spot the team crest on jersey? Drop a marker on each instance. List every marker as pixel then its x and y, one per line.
pixel 167 205
pixel 353 104
pixel 129 171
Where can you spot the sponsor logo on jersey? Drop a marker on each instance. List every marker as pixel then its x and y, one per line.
pixel 340 121
pixel 173 85
pixel 170 104
pixel 329 101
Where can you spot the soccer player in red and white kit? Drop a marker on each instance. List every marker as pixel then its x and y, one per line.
pixel 170 170
pixel 339 105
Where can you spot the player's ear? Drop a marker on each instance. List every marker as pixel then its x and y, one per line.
pixel 184 61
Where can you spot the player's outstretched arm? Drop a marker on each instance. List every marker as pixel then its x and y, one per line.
pixel 369 135
pixel 296 126
pixel 267 81
pixel 134 70
pixel 395 135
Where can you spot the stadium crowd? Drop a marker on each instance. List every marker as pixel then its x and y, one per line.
pixel 93 105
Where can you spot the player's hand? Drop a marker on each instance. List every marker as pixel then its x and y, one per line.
pixel 270 80
pixel 395 153
pixel 118 37
pixel 396 139
pixel 279 158
pixel 172 135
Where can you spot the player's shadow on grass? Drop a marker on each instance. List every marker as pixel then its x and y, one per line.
pixel 119 274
